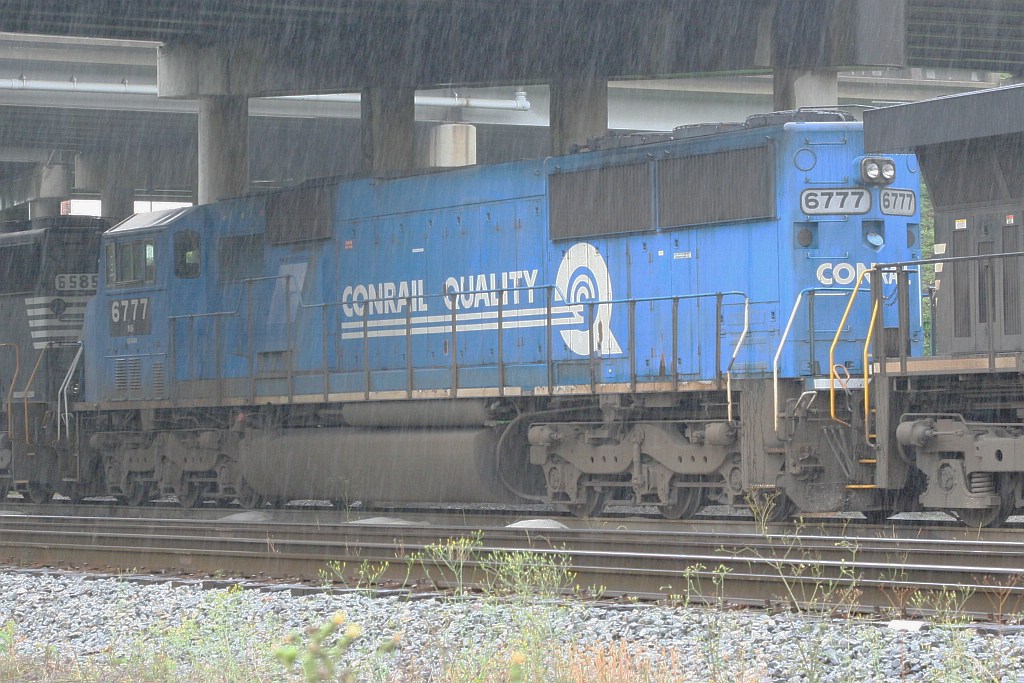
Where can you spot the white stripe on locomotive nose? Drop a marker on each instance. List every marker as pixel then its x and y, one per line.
pixel 55 323
pixel 46 312
pixel 46 334
pixel 45 300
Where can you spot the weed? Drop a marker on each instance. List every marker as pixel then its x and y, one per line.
pixel 449 560
pixel 321 657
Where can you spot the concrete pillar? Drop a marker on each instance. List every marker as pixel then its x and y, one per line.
pixel 117 202
pixel 115 177
pixel 388 118
pixel 451 145
pixel 223 147
pixel 795 88
pixel 49 186
pixel 579 110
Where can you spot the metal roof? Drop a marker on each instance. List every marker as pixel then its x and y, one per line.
pixel 953 118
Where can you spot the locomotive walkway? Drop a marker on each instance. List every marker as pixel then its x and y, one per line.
pixel 827 567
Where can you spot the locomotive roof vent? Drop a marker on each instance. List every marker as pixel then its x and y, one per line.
pixel 804 115
pixel 614 140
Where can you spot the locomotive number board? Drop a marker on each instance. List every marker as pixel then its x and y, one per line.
pixel 835 201
pixel 899 202
pixel 129 316
pixel 70 282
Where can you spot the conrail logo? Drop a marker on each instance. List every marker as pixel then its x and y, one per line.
pixel 583 277
pixel 843 273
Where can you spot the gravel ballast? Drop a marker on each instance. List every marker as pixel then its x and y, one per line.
pixel 78 616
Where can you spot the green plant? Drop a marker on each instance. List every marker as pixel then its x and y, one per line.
pixel 332 573
pixel 321 656
pixel 370 575
pixel 449 559
pixel 522 573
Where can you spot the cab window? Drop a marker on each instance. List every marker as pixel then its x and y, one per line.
pixel 186 254
pixel 131 263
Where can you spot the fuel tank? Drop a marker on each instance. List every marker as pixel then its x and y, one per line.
pixel 374 465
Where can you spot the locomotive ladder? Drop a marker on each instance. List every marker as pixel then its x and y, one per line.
pixel 870 437
pixel 807 398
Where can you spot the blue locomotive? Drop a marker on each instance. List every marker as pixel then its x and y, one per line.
pixel 652 320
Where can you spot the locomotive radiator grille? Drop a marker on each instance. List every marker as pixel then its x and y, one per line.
pixel 159 382
pixel 128 374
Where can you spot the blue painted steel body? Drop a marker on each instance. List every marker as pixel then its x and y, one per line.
pixel 450 283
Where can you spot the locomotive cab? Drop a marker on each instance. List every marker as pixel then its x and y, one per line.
pixel 128 318
pixel 47 277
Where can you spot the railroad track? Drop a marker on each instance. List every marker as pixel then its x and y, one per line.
pixel 823 566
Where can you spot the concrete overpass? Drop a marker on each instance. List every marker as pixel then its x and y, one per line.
pixel 214 58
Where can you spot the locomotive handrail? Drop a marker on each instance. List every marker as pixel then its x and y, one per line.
pixel 904 267
pixel 867 370
pixel 827 291
pixel 238 306
pixel 832 350
pixel 31 381
pixel 246 292
pixel 63 405
pixel 361 325
pixel 14 380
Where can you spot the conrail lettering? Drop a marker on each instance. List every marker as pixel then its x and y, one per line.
pixel 383 298
pixel 475 291
pixel 847 273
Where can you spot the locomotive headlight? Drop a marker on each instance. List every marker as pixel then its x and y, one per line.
pixel 877 170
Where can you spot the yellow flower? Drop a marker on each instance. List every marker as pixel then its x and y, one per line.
pixel 339 618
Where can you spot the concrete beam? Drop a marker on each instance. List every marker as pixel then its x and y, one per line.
pixel 257 69
pixel 795 88
pixel 48 185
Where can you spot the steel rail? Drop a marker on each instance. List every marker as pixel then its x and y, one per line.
pixel 821 570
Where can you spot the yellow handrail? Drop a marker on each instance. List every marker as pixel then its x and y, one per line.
pixel 832 377
pixel 867 373
pixel 28 385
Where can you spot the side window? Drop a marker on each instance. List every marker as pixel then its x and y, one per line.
pixel 240 257
pixel 186 254
pixel 131 263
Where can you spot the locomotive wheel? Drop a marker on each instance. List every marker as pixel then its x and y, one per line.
pixel 39 493
pixel 877 516
pixel 247 498
pixel 190 496
pixel 589 505
pixel 987 518
pixel 688 503
pixel 995 516
pixel 137 494
pixel 75 493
